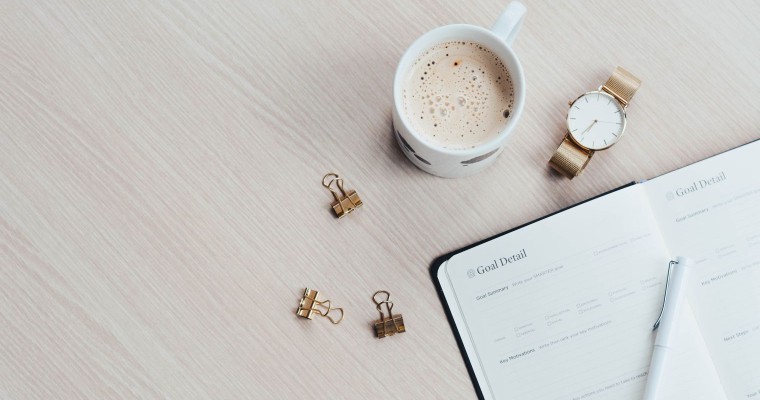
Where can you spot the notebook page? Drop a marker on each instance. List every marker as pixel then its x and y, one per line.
pixel 563 308
pixel 710 211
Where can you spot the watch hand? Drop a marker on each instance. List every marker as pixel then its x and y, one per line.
pixel 589 127
pixel 609 122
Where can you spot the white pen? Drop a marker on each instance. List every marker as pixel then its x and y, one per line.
pixel 675 292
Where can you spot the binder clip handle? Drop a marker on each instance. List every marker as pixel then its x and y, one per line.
pixel 339 182
pixel 328 306
pixel 378 302
pixel 326 303
pixel 387 302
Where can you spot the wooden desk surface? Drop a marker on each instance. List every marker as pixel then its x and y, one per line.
pixel 160 162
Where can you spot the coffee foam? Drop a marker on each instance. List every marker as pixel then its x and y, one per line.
pixel 458 95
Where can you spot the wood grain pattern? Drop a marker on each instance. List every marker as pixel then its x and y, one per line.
pixel 160 165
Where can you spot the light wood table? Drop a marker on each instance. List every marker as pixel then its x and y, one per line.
pixel 161 208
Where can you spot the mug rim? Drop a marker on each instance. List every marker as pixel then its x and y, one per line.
pixel 400 74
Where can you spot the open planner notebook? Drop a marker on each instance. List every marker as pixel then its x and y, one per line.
pixel 563 307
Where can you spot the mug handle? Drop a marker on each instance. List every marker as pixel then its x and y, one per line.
pixel 510 21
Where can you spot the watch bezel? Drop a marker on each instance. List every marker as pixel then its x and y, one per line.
pixel 567 119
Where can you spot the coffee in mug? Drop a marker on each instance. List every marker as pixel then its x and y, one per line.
pixel 458 95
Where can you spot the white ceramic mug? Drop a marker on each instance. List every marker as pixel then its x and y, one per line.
pixel 453 163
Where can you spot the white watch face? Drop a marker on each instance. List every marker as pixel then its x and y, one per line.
pixel 596 120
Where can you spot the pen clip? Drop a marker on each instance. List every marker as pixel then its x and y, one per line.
pixel 665 298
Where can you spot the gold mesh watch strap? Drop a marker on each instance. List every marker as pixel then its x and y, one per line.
pixel 570 159
pixel 622 85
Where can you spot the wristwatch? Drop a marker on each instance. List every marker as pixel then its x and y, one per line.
pixel 595 121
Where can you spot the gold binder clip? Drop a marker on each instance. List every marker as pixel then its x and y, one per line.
pixel 310 305
pixel 391 325
pixel 345 202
